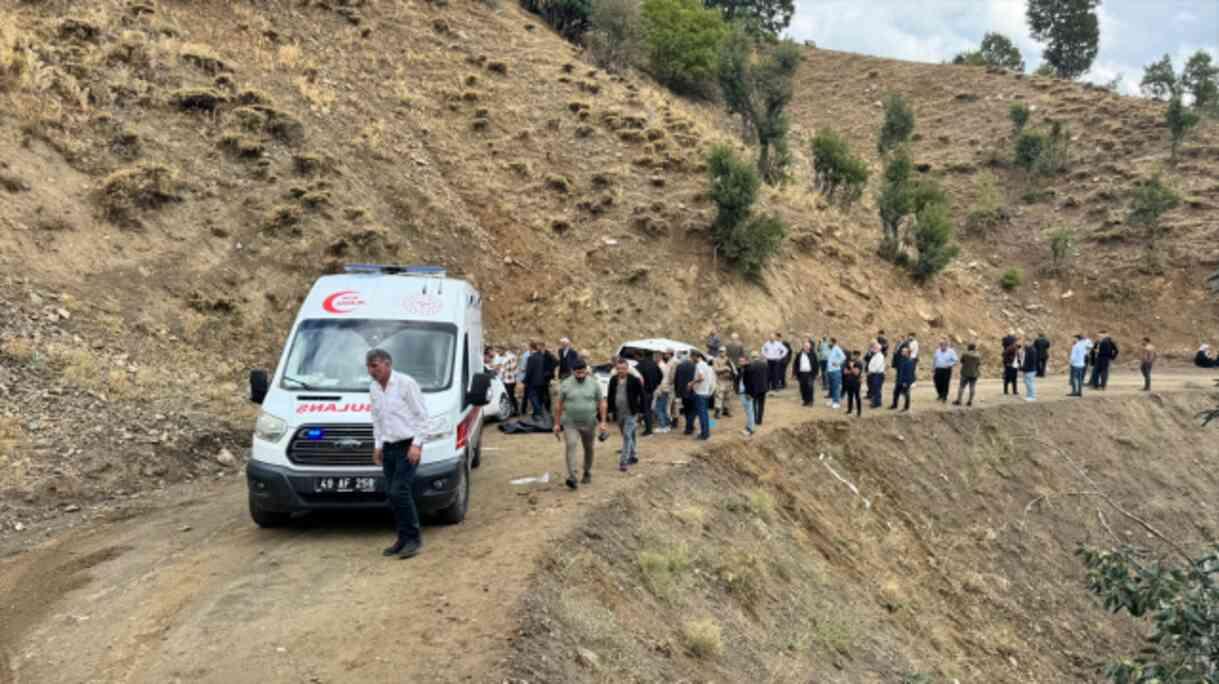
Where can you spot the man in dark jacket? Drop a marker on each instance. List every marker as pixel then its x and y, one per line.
pixel 550 366
pixel 904 379
pixel 567 358
pixel 625 397
pixel 681 388
pixel 1042 345
pixel 805 369
pixel 1028 366
pixel 536 380
pixel 757 383
pixel 652 377
pixel 1106 354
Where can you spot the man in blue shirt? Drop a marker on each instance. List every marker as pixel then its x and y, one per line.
pixel 945 360
pixel 833 367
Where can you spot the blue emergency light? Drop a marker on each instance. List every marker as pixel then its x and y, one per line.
pixel 314 434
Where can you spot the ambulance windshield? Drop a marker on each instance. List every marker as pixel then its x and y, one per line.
pixel 328 354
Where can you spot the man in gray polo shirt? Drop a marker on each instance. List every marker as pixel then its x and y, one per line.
pixel 579 413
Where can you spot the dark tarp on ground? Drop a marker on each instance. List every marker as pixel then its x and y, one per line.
pixel 526 425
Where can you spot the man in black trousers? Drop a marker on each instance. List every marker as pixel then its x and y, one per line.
pixel 650 372
pixel 1106 354
pixel 1042 345
pixel 682 377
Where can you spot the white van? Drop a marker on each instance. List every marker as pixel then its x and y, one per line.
pixel 313 443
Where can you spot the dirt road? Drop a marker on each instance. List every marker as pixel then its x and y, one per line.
pixel 189 590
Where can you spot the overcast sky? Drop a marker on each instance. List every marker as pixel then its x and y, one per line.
pixel 1133 33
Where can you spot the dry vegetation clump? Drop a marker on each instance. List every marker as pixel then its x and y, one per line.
pixel 704 638
pixel 143 186
pixel 197 99
pixel 12 436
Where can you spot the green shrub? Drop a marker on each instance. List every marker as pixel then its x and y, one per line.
pixel 615 34
pixel 835 170
pixel 1180 122
pixel 933 240
pixel 568 17
pixel 1151 200
pixel 988 210
pixel 1029 145
pixel 1042 153
pixel 682 40
pixel 747 242
pixel 759 88
pixel 1062 241
pixel 1012 278
pixel 1018 112
pixel 898 125
pixel 893 202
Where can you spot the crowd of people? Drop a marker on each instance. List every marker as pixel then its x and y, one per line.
pixel 655 391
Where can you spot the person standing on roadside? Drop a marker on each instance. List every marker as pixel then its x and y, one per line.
pixel 713 343
pixel 882 342
pixel 774 351
pixel 724 372
pixel 1042 344
pixel 823 355
pixel 1011 365
pixel 913 345
pixel 971 369
pixel 1147 360
pixel 1106 354
pixel 876 375
pixel 805 367
pixel 904 378
pixel 399 430
pixel 702 388
pixel 742 384
pixel 536 381
pixel 758 384
pixel 507 373
pixel 579 411
pixel 852 374
pixel 787 358
pixel 943 362
pixel 550 367
pixel 735 349
pixel 1079 364
pixel 833 366
pixel 567 357
pixel 664 393
pixel 1028 366
pixel 1093 356
pixel 625 404
pixel 649 371
pixel 683 376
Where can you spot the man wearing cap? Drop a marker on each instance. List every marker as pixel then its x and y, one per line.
pixel 578 414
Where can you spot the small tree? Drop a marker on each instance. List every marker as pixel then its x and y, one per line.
pixel 1046 70
pixel 1062 241
pixel 837 172
pixel 1029 145
pixel 761 18
pixel 894 202
pixel 682 41
pixel 747 242
pixel 615 34
pixel 1199 80
pixel 1018 112
pixel 568 17
pixel 1180 122
pixel 1151 200
pixel 997 50
pixel 933 240
pixel 1181 601
pixel 759 88
pixel 1159 80
pixel 1071 31
pixel 898 125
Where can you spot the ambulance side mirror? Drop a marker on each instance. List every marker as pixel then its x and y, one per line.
pixel 260 382
pixel 480 390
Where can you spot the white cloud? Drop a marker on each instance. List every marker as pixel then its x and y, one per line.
pixel 1133 32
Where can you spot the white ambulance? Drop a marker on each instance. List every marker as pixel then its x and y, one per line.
pixel 313 442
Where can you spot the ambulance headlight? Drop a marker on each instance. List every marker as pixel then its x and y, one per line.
pixel 269 428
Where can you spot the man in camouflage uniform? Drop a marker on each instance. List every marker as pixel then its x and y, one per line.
pixel 724 373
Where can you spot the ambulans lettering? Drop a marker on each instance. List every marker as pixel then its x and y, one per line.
pixel 342 302
pixel 333 408
pixel 425 306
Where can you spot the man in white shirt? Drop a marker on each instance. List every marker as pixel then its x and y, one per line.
pixel 944 361
pixel 876 374
pixel 913 344
pixel 399 428
pixel 702 387
pixel 1079 364
pixel 774 352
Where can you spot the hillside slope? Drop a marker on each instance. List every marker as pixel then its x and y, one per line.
pixel 174 175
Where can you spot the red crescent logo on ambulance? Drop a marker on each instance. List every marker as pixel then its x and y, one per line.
pixel 343 301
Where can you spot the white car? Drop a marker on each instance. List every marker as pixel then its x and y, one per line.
pixel 656 345
pixel 499 404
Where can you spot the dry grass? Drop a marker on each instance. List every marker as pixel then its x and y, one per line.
pixel 663 567
pixel 762 504
pixel 704 638
pixel 691 515
pixel 320 96
pixel 143 186
pixel 12 438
